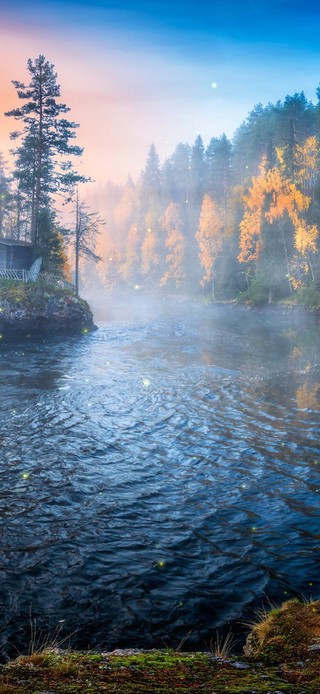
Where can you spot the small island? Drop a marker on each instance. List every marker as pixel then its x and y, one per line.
pixel 40 309
pixel 34 303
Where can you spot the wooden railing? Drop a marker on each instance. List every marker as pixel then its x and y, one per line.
pixel 50 278
pixel 43 278
pixel 20 275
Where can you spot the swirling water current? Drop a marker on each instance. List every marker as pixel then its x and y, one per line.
pixel 158 476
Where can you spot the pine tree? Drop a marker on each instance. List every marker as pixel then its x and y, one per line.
pixel 5 197
pixel 43 167
pixel 150 180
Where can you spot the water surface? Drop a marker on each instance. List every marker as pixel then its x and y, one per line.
pixel 160 475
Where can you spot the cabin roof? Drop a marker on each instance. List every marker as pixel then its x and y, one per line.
pixel 14 242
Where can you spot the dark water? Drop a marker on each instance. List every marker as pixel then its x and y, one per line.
pixel 159 475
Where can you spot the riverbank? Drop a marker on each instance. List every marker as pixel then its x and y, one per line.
pixel 41 310
pixel 282 655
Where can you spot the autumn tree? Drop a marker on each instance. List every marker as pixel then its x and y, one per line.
pixel 151 255
pixel 209 238
pixel 176 244
pixel 274 223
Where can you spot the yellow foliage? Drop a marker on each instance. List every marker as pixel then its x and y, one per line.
pixel 305 237
pixel 176 244
pixel 149 253
pixel 209 236
pixel 250 231
pixel 128 268
pixel 272 196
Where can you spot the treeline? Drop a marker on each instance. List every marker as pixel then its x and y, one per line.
pixel 228 218
pixel 233 217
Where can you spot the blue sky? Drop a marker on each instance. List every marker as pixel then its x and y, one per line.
pixel 141 72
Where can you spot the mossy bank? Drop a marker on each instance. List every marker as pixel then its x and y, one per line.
pixel 38 310
pixel 282 656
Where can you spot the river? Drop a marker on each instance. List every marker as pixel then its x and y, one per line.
pixel 159 476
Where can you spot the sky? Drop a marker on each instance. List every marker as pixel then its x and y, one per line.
pixel 136 73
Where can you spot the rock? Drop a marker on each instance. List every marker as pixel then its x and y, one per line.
pixel 31 310
pixel 124 651
pixel 240 666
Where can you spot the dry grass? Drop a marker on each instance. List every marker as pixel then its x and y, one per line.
pixel 286 633
pixel 222 645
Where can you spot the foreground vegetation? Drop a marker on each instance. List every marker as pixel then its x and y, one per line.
pixel 282 655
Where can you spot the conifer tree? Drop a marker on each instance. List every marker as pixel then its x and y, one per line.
pixel 5 197
pixel 42 167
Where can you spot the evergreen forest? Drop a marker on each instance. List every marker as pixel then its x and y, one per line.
pixel 228 219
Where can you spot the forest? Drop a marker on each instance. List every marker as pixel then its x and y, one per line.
pixel 231 219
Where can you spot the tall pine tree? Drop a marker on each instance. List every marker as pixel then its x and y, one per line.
pixel 42 167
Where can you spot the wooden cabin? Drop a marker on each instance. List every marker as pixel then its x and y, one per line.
pixel 15 255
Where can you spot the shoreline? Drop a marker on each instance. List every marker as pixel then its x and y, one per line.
pixel 281 656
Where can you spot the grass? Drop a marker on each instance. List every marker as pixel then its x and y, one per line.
pixel 264 671
pixel 222 646
pixel 154 671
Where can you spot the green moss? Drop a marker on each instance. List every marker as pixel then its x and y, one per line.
pixel 287 631
pixel 41 308
pixel 153 671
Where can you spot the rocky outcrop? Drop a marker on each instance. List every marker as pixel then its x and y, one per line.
pixel 31 310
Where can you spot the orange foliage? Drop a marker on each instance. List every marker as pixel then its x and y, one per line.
pixel 282 196
pixel 250 232
pixel 209 237
pixel 176 244
pixel 149 253
pixel 129 267
pixel 250 227
pixel 108 268
pixel 305 237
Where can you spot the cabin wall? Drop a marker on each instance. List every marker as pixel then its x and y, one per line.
pixel 21 257
pixel 15 257
pixel 3 256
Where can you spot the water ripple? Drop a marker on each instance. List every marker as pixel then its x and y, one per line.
pixel 158 476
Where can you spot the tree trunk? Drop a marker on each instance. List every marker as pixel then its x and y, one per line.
pixel 286 255
pixel 38 168
pixel 310 266
pixel 212 288
pixel 77 246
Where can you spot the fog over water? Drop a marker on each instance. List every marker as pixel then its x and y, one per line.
pixel 161 474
